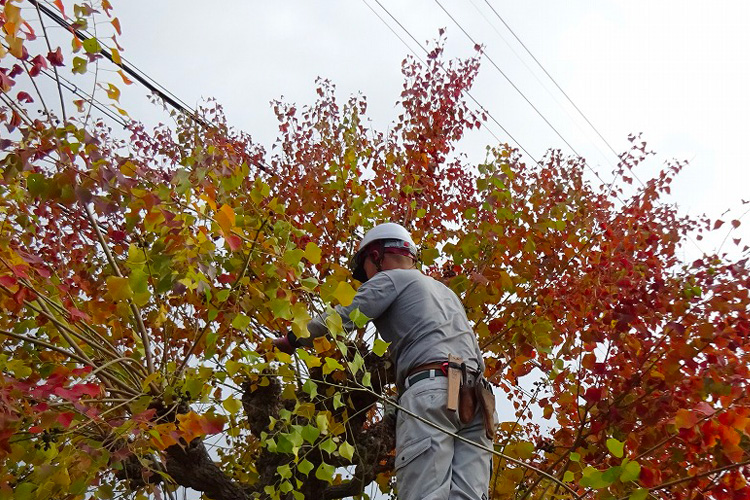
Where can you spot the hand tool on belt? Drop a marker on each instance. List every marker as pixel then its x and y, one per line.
pixel 468 390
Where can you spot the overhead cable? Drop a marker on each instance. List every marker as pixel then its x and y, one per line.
pixel 471 96
pixel 139 76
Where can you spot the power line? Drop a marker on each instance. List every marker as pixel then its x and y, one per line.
pixel 583 115
pixel 520 92
pixel 471 96
pixel 531 71
pixel 552 79
pixel 169 99
pixel 73 88
pixel 139 76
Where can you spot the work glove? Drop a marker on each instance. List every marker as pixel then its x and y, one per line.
pixel 288 343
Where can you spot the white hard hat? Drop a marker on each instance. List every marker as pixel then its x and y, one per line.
pixel 393 236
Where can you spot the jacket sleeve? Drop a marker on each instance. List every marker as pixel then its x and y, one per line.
pixel 372 300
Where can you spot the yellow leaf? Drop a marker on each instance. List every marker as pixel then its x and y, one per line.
pixel 506 281
pixel 147 381
pixel 300 321
pixel 225 218
pixel 116 57
pixel 232 367
pixel 344 293
pixel 119 288
pixel 15 47
pixel 12 18
pixel 232 405
pixel 113 92
pixel 128 169
pixel 313 253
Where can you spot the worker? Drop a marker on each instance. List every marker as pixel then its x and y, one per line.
pixel 425 324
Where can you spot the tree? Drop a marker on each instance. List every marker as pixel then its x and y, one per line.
pixel 143 277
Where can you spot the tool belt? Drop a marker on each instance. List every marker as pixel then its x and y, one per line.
pixel 468 390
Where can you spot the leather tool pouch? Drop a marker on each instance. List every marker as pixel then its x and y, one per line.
pixel 486 400
pixel 467 401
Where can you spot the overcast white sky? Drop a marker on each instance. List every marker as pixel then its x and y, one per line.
pixel 678 71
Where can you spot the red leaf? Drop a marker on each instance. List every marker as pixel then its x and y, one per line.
pixel 213 424
pixel 55 58
pixel 92 390
pixel 718 224
pixel 24 97
pixel 8 281
pixel 76 314
pixel 36 429
pixel 593 394
pixel 65 418
pixel 736 223
pixel 38 63
pixel 234 242
pixel 5 82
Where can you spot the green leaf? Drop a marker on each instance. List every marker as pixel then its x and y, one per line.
pixel 630 472
pixel 328 446
pixel 240 322
pixel 346 450
pixel 380 346
pixel 292 257
pixel 305 466
pixel 310 433
pixel 575 457
pixel 615 447
pixel 639 494
pixel 332 365
pixel 308 283
pixel 337 401
pixel 324 472
pixel 311 388
pixel 281 308
pixel 568 476
pixel 593 478
pixel 284 471
pixel 79 65
pixel 322 422
pixel 429 255
pixel 611 475
pixel 367 380
pixel 23 491
pixel 36 184
pixel 357 364
pixel 359 319
pixel 92 46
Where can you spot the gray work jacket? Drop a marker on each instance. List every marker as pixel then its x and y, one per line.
pixel 423 320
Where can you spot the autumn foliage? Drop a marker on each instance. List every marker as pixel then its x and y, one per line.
pixel 144 273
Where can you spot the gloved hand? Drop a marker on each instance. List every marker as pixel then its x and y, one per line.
pixel 287 343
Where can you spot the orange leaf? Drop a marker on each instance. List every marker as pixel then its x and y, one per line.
pixel 225 218
pixel 61 8
pixel 125 79
pixel 685 419
pixel 116 23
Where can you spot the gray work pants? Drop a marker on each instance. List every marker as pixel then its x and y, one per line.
pixel 433 465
